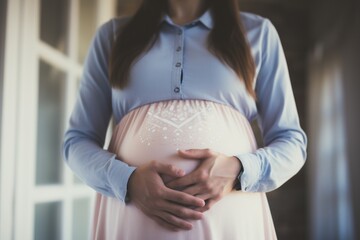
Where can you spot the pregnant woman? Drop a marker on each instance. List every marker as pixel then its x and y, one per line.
pixel 182 80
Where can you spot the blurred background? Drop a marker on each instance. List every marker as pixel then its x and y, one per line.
pixel 43 44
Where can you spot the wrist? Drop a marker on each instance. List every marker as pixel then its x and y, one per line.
pixel 237 166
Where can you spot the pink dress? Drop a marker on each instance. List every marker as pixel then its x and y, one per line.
pixel 154 132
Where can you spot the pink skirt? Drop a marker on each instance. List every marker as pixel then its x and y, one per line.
pixel 155 132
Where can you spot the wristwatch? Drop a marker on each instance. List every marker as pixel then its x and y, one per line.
pixel 237 186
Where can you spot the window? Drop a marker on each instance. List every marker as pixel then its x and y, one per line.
pixel 46 44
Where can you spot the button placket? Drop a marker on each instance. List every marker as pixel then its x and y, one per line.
pixel 178 62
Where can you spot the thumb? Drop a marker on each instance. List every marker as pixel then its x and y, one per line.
pixel 169 170
pixel 195 153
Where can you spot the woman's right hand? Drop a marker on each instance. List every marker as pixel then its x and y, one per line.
pixel 170 208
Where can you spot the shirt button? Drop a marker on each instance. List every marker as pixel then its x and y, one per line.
pixel 178 64
pixel 178 49
pixel 177 89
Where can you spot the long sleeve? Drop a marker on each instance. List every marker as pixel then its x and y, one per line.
pixel 84 139
pixel 285 142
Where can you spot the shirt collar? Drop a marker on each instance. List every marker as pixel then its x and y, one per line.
pixel 206 19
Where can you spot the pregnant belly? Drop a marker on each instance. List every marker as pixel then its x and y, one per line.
pixel 156 131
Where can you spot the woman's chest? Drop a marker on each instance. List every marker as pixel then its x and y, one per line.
pixel 179 66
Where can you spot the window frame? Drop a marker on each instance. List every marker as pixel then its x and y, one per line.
pixel 23 52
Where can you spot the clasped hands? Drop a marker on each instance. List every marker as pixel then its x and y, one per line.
pixel 174 204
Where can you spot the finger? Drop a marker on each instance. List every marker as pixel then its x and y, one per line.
pixel 209 204
pixel 198 176
pixel 168 169
pixel 175 221
pixel 182 182
pixel 196 153
pixel 181 211
pixel 194 190
pixel 183 198
pixel 205 196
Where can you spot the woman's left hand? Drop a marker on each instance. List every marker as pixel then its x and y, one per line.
pixel 215 176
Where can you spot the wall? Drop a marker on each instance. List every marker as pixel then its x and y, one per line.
pixel 351 56
pixel 334 193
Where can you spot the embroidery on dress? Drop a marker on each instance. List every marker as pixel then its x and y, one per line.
pixel 180 122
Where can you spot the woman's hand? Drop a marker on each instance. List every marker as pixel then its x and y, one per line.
pixel 170 208
pixel 212 179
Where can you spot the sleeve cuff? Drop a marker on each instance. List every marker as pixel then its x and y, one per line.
pixel 250 176
pixel 118 177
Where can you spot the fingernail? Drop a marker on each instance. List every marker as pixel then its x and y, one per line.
pixel 180 172
pixel 189 227
pixel 183 150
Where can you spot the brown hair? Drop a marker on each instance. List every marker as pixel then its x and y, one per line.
pixel 226 40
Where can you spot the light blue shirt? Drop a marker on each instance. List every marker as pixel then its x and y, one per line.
pixel 179 66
